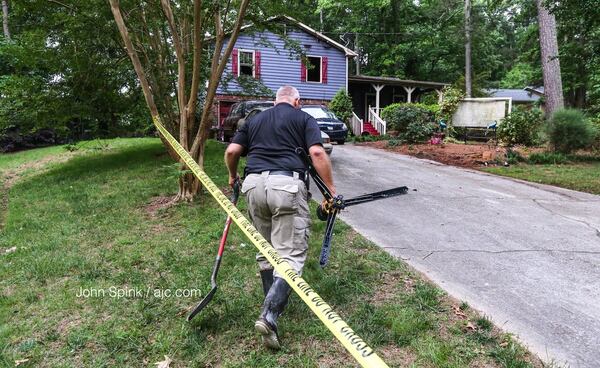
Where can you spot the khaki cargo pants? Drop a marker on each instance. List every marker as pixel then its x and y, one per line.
pixel 278 208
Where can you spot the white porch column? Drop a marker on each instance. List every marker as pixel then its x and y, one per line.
pixel 409 91
pixel 378 88
pixel 440 95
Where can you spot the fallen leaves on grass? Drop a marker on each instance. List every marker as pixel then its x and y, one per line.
pixel 458 311
pixel 20 361
pixel 471 326
pixel 165 363
pixel 10 250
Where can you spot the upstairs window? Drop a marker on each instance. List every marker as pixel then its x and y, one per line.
pixel 313 69
pixel 246 63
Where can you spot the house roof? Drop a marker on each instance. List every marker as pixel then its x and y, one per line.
pixel 309 30
pixel 517 95
pixel 395 81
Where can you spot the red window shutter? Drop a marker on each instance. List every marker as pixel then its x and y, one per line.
pixel 302 71
pixel 257 64
pixel 234 62
pixel 324 69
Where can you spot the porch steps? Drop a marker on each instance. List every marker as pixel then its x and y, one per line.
pixel 369 128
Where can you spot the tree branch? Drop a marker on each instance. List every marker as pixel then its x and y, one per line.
pixel 181 97
pixel 216 74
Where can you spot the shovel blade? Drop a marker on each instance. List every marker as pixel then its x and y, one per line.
pixel 203 303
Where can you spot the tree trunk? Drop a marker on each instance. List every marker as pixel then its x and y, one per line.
pixel 5 19
pixel 550 63
pixel 468 79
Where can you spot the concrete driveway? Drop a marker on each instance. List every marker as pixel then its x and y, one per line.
pixel 526 255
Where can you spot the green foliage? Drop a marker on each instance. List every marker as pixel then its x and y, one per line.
pixel 520 76
pixel 513 157
pixel 569 130
pixel 522 126
pixel 413 122
pixel 545 158
pixel 449 104
pixel 341 105
pixel 399 115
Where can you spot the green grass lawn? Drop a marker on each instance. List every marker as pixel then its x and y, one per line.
pixel 85 224
pixel 583 177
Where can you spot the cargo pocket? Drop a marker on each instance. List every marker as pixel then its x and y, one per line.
pixel 249 183
pixel 301 234
pixel 283 197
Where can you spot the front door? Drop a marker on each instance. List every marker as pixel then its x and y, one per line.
pixel 370 101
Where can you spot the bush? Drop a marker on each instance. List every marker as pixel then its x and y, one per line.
pixel 547 158
pixel 413 122
pixel 522 126
pixel 596 123
pixel 569 130
pixel 341 105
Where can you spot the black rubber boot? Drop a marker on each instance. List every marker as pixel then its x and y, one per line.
pixel 274 304
pixel 267 280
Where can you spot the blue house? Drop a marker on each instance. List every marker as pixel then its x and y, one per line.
pixel 261 62
pixel 295 54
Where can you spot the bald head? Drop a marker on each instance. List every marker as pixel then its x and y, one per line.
pixel 288 94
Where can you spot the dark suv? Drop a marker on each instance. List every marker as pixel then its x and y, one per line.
pixel 237 115
pixel 328 122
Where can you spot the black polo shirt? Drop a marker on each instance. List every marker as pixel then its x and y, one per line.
pixel 271 137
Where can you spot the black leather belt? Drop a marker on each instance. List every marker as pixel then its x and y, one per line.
pixel 301 175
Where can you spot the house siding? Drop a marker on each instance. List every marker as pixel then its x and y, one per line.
pixel 279 66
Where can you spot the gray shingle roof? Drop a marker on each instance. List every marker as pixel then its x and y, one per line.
pixel 517 95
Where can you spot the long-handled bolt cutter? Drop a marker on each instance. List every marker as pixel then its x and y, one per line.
pixel 331 206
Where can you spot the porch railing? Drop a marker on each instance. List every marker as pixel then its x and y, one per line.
pixel 357 124
pixel 378 123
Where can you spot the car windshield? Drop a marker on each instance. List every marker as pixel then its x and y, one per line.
pixel 319 113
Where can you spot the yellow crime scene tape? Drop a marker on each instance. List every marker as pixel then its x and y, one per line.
pixel 359 349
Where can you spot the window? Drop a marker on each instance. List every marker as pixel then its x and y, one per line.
pixel 246 63
pixel 313 69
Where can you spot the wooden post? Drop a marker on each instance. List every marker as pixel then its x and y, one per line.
pixel 440 95
pixel 409 91
pixel 378 88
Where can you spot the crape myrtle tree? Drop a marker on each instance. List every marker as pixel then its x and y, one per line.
pixel 176 62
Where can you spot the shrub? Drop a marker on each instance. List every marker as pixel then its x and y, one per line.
pixel 341 105
pixel 522 126
pixel 413 122
pixel 418 132
pixel 449 105
pixel 547 158
pixel 596 123
pixel 569 130
pixel 398 116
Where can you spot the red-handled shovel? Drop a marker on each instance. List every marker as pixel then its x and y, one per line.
pixel 213 278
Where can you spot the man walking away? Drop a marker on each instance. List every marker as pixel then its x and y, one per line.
pixel 276 192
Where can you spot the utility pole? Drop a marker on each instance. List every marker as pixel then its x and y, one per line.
pixel 5 19
pixel 550 63
pixel 468 78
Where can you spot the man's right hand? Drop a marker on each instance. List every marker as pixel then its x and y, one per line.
pixel 233 179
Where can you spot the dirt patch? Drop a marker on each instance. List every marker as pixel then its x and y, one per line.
pixel 396 356
pixel 158 204
pixel 463 155
pixel 387 287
